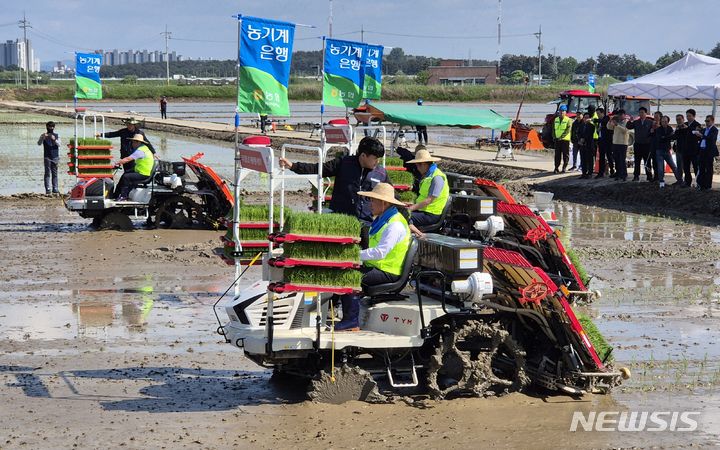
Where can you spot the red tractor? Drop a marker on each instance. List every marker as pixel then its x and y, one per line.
pixel 630 104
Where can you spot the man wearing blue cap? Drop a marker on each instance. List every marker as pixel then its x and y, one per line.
pixel 561 133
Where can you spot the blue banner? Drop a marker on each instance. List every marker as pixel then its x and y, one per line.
pixel 591 83
pixel 372 87
pixel 265 55
pixel 344 72
pixel 87 76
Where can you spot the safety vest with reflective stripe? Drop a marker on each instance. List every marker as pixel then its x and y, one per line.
pixel 436 206
pixel 393 261
pixel 144 166
pixel 596 122
pixel 562 126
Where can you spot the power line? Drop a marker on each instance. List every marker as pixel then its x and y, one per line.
pixel 445 36
pixel 43 36
pixel 201 40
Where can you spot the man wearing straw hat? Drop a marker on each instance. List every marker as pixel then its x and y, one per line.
pixel 125 134
pixel 384 258
pixel 434 191
pixel 143 160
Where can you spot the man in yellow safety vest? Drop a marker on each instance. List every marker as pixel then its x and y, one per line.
pixel 144 162
pixel 384 258
pixel 562 126
pixel 434 192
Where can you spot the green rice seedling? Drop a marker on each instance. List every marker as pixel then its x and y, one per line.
pixel 393 161
pixel 337 225
pixel 324 252
pixel 249 234
pixel 323 277
pixel 401 178
pixel 407 196
pixel 575 260
pixel 90 141
pixel 602 347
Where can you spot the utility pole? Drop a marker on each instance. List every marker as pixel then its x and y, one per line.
pixel 499 42
pixel 330 18
pixel 167 56
pixel 555 60
pixel 362 33
pixel 24 24
pixel 539 36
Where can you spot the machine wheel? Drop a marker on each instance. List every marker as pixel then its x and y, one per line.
pixel 350 383
pixel 478 359
pixel 177 212
pixel 115 220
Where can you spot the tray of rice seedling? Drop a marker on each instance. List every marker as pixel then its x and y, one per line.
pixel 249 244
pixel 282 238
pixel 91 144
pixel 284 262
pixel 393 163
pixel 311 227
pixel 280 288
pixel 329 278
pixel 407 196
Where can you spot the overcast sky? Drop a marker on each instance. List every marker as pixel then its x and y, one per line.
pixel 582 28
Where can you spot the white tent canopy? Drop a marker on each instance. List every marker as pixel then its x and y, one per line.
pixel 692 77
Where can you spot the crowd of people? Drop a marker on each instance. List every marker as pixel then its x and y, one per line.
pixel 688 149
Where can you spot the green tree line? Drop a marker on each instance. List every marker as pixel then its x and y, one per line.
pixel 396 62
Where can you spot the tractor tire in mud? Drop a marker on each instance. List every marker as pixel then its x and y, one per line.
pixel 478 359
pixel 178 212
pixel 350 383
pixel 114 220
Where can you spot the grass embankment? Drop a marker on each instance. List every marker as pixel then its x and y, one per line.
pixel 299 91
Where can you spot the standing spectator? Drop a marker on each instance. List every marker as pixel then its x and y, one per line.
pixel 651 161
pixel 596 125
pixel 126 134
pixel 691 147
pixel 621 139
pixel 586 140
pixel 263 122
pixel 50 141
pixel 421 129
pixel 574 139
pixel 163 107
pixel 604 145
pixel 642 126
pixel 707 153
pixel 680 138
pixel 662 140
pixel 562 126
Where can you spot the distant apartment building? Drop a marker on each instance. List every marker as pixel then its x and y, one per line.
pixel 12 53
pixel 117 58
pixel 456 72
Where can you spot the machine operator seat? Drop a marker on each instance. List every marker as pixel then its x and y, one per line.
pixel 144 182
pixel 394 288
pixel 434 227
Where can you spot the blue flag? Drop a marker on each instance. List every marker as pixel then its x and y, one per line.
pixel 87 76
pixel 344 73
pixel 591 83
pixel 265 55
pixel 372 87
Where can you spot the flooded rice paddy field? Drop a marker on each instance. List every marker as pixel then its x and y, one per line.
pixel 109 339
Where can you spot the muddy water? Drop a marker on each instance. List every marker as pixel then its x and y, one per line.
pixel 103 330
pixel 21 159
pixel 660 305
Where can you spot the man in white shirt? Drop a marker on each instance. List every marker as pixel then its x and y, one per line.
pixel 384 258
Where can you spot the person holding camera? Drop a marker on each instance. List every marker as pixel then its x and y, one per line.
pixel 50 141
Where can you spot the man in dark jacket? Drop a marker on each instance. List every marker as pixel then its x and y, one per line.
pixel 353 174
pixel 125 135
pixel 604 143
pixel 51 155
pixel 585 134
pixel 575 140
pixel 662 136
pixel 641 148
pixel 707 152
pixel 690 155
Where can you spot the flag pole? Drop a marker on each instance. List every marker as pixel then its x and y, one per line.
pixel 238 167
